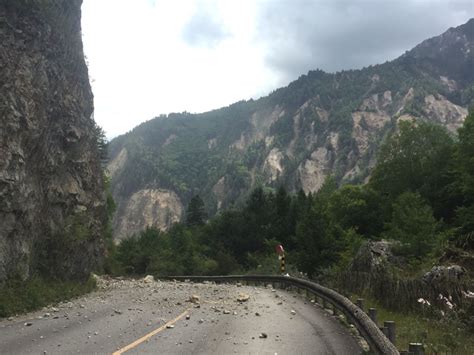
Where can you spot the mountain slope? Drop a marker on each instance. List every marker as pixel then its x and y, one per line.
pixel 319 125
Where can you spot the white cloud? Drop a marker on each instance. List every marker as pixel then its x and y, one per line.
pixel 142 67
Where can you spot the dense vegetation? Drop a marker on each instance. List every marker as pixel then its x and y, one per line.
pixel 22 296
pixel 421 194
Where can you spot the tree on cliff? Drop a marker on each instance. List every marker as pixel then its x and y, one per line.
pixel 102 144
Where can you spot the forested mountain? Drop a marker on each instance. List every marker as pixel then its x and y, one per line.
pixel 322 124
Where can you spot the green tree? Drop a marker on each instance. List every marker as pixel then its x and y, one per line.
pixel 413 225
pixel 231 234
pixel 465 173
pixel 259 215
pixel 465 156
pixel 360 208
pixel 415 159
pixel 282 229
pixel 196 212
pixel 318 242
pixel 135 253
pixel 300 204
pixel 102 144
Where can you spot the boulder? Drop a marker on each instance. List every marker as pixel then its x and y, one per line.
pixel 243 297
pixel 373 257
pixel 149 279
pixel 444 274
pixel 194 299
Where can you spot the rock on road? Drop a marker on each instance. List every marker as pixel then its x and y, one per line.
pixel 146 316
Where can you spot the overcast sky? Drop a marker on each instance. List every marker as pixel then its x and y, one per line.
pixel 149 57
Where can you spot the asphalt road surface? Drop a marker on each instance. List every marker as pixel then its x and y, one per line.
pixel 136 317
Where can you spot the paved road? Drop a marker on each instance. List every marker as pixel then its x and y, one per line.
pixel 134 317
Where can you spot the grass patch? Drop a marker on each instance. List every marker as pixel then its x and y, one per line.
pixel 23 296
pixel 438 335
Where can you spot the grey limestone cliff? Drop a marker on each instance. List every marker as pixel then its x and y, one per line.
pixel 52 203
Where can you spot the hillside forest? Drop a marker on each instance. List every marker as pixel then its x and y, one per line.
pixel 420 194
pixel 320 125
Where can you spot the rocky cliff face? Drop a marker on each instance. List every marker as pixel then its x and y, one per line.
pixel 320 125
pixel 52 205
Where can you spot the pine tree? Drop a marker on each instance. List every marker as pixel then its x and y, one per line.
pixel 196 213
pixel 465 169
pixel 413 224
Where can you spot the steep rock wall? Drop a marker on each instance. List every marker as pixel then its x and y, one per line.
pixel 52 204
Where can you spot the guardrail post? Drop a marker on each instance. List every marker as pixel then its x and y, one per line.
pixel 391 330
pixel 373 314
pixel 416 348
pixel 360 303
pixel 334 310
pixel 384 331
pixel 324 304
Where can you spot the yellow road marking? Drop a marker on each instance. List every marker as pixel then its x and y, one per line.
pixel 149 335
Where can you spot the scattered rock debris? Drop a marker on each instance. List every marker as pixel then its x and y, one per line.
pixel 149 279
pixel 158 298
pixel 194 299
pixel 243 297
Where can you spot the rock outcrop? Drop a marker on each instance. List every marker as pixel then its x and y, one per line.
pixel 373 257
pixel 148 208
pixel 52 203
pixel 439 275
pixel 313 171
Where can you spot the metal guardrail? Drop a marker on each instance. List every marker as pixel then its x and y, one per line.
pixel 377 341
